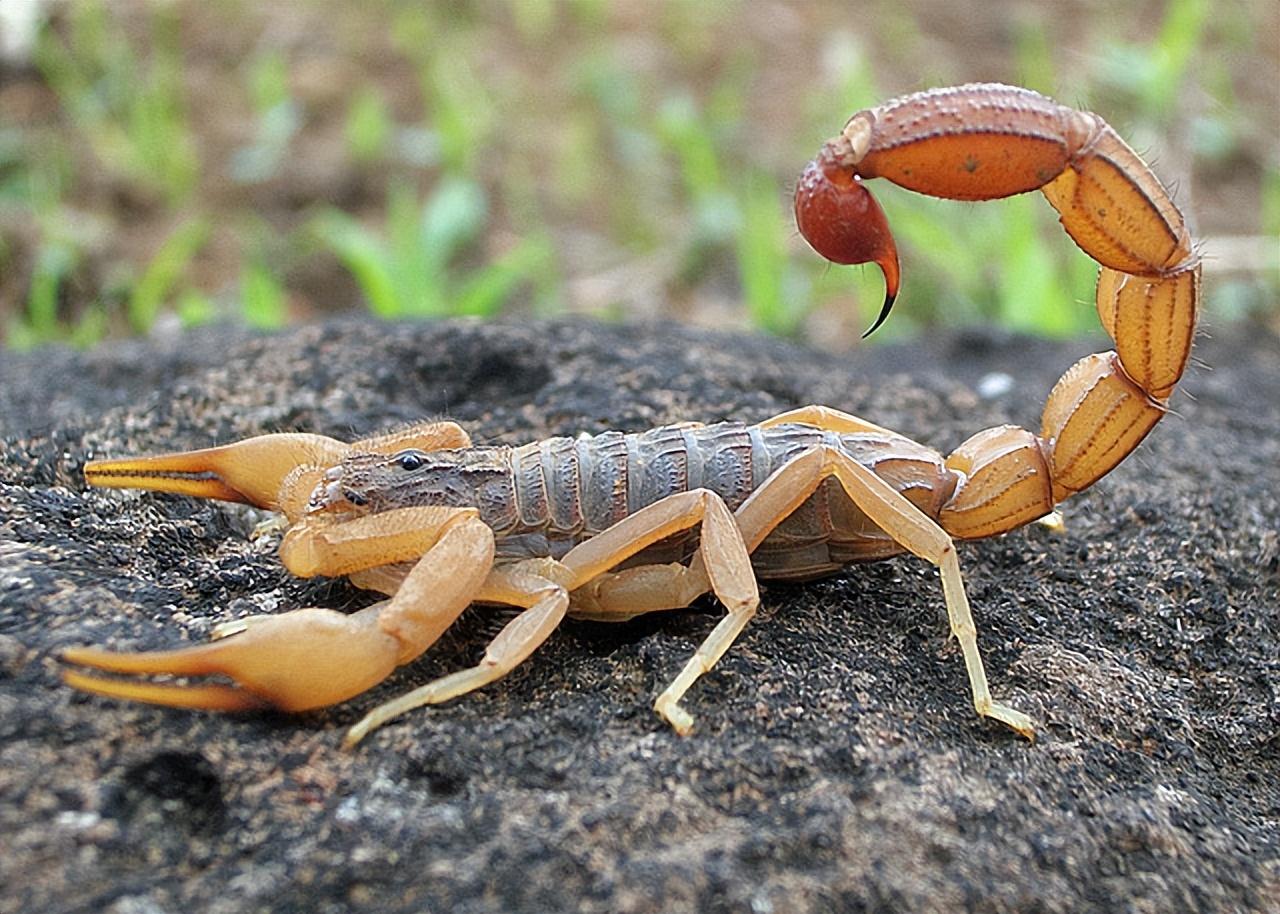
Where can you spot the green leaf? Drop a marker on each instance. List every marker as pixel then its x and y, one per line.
pixel 262 298
pixel 762 261
pixel 453 217
pixel 369 125
pixel 484 294
pixel 162 273
pixel 364 256
pixel 53 262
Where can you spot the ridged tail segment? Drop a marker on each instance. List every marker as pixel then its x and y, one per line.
pixel 974 142
pixel 981 142
pixel 986 141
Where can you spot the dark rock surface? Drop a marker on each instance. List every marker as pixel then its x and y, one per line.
pixel 837 764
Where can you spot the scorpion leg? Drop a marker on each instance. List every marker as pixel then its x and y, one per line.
pixel 310 658
pixel 621 595
pixel 720 552
pixel 825 418
pixel 540 585
pixel 788 488
pixel 526 584
pixel 383 579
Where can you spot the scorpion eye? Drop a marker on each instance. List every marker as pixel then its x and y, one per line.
pixel 410 460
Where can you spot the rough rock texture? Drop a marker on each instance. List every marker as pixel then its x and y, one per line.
pixel 837 764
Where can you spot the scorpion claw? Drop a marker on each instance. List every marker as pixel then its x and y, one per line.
pixel 206 697
pixel 252 471
pixel 308 658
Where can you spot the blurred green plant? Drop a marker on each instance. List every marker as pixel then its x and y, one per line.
pixel 194 308
pixel 613 143
pixel 263 301
pixel 776 293
pixel 1271 202
pixel 55 259
pixel 278 119
pixel 55 262
pixel 415 271
pixel 128 104
pixel 460 113
pixel 57 253
pixel 369 127
pixel 1005 262
pixel 166 271
pixel 744 217
pixel 561 134
pixel 1152 73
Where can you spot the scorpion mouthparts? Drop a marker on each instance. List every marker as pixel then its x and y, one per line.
pixel 327 492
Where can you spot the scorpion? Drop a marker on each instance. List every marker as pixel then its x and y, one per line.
pixel 616 525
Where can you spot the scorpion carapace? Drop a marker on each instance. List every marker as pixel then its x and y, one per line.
pixel 616 525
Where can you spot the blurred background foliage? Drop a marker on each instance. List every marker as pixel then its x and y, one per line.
pixel 166 164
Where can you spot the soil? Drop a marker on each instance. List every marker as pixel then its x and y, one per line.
pixel 837 764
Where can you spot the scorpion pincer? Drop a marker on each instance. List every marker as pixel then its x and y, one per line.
pixel 617 525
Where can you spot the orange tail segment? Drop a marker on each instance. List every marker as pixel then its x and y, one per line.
pixel 982 142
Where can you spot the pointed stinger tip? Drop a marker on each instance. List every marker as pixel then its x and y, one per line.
pixel 880 319
pixel 888 264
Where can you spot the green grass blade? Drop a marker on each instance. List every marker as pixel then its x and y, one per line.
pixel 364 256
pixel 484 294
pixel 762 260
pixel 453 217
pixel 53 263
pixel 162 273
pixel 262 299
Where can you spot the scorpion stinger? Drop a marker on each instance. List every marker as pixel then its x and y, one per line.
pixel 843 222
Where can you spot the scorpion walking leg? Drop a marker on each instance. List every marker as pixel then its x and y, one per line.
pixel 648 588
pixel 788 488
pixel 622 595
pixel 825 418
pixel 384 579
pixel 704 658
pixel 720 551
pixel 545 602
pixel 543 588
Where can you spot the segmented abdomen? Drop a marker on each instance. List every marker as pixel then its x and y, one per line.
pixel 567 490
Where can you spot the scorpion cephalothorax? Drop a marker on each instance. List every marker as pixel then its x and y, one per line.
pixel 612 526
pixel 371 483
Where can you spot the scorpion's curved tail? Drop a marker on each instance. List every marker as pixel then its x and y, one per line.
pixel 981 142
